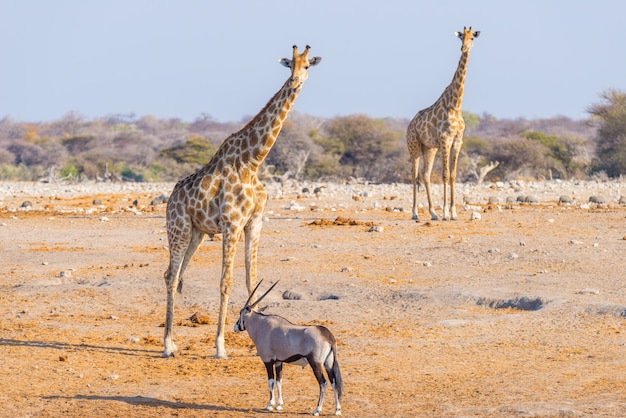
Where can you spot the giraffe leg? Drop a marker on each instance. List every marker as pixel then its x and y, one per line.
pixel 445 162
pixel 197 237
pixel 182 248
pixel 231 234
pixel 415 178
pixel 429 160
pixel 456 149
pixel 252 233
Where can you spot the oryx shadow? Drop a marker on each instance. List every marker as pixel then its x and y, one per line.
pixel 152 402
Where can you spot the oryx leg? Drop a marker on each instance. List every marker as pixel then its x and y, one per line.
pixel 318 371
pixel 332 376
pixel 279 385
pixel 271 383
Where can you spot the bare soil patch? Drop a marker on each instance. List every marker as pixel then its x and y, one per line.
pixel 521 313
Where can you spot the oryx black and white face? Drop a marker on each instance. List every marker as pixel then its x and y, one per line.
pixel 241 322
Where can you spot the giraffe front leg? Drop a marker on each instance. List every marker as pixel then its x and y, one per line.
pixel 429 160
pixel 252 233
pixel 415 178
pixel 171 282
pixel 456 149
pixel 445 161
pixel 229 248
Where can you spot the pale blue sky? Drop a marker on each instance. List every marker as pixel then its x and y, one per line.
pixel 533 59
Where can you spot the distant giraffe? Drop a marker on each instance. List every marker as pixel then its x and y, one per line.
pixel 441 126
pixel 226 196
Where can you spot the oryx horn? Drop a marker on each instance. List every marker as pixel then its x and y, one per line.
pixel 264 294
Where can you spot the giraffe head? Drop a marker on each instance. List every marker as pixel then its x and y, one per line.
pixel 467 37
pixel 299 65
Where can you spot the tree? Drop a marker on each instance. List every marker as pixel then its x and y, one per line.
pixel 367 144
pixel 610 117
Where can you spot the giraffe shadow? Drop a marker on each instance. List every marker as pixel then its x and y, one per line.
pixel 150 402
pixel 58 345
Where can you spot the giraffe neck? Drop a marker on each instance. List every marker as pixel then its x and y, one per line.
pixel 453 95
pixel 259 135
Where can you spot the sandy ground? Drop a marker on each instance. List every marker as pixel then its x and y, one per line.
pixel 520 313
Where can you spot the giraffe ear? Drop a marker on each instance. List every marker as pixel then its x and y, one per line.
pixel 314 61
pixel 476 34
pixel 458 34
pixel 285 62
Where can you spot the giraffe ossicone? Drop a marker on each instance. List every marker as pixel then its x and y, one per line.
pixel 441 125
pixel 225 196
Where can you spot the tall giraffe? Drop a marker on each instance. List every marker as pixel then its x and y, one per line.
pixel 441 126
pixel 226 196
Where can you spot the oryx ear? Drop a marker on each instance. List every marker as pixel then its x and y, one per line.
pixel 476 34
pixel 285 62
pixel 314 61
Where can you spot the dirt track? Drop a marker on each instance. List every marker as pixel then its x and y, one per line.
pixel 521 313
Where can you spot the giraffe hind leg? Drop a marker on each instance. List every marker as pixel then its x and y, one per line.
pixel 182 248
pixel 196 239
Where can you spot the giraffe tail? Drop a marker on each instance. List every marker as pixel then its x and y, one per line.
pixel 179 288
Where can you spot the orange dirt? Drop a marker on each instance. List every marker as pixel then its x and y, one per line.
pixel 519 314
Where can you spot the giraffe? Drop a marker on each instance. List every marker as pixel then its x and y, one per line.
pixel 225 196
pixel 441 126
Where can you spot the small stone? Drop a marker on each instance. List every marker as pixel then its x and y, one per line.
pixel 376 229
pixel 598 200
pixel 427 264
pixel 475 216
pixel 134 339
pixel 347 269
pixel 96 202
pixel 113 377
pixel 26 204
pixel 103 219
pixel 65 273
pixel 513 256
pixel 289 295
pixel 200 318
